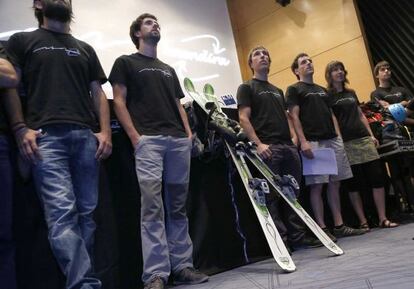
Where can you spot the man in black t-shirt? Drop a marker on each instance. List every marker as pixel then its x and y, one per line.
pixel 8 80
pixel 147 103
pixel 316 127
pixel 387 94
pixel 63 106
pixel 263 116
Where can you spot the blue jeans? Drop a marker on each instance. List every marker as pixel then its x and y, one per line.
pixel 66 180
pixel 166 244
pixel 7 265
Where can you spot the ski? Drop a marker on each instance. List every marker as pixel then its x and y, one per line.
pixel 255 188
pixel 283 185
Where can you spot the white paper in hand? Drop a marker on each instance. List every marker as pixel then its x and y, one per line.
pixel 323 162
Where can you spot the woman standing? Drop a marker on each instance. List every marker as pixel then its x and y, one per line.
pixel 359 144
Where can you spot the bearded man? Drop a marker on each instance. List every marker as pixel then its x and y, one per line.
pixel 64 132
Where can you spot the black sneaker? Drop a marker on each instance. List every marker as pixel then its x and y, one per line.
pixel 345 231
pixel 189 276
pixel 307 242
pixel 155 283
pixel 327 232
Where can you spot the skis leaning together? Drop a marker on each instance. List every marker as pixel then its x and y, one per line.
pixel 257 188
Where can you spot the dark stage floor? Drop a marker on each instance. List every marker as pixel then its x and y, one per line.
pixel 382 258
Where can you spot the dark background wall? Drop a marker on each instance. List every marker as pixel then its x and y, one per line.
pixel 389 30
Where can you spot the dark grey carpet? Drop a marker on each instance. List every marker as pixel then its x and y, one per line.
pixel 382 258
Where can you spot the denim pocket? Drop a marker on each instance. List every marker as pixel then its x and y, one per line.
pixel 139 143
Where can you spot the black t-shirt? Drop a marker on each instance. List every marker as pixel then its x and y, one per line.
pixel 410 105
pixel 345 107
pixel 268 110
pixel 3 121
pixel 152 91
pixel 315 113
pixel 57 70
pixel 393 94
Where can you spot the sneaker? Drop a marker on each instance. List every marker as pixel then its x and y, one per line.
pixel 189 276
pixel 345 231
pixel 307 242
pixel 155 283
pixel 327 232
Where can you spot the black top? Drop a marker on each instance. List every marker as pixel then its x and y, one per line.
pixel 3 121
pixel 268 110
pixel 345 106
pixel 57 70
pixel 315 112
pixel 394 94
pixel 152 91
pixel 410 105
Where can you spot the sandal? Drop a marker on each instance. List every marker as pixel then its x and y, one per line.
pixel 388 224
pixel 365 226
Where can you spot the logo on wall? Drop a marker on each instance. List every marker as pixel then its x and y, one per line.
pixel 210 55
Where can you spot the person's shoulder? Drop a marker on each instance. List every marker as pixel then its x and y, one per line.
pixel 276 89
pixel 24 35
pixel 161 63
pixel 294 87
pixel 350 91
pixel 296 84
pixel 376 91
pixel 248 83
pixel 400 88
pixel 315 85
pixel 126 57
pixel 83 44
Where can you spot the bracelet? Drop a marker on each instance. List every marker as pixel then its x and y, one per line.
pixel 17 125
pixel 20 130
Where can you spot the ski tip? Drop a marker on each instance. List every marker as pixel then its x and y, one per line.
pixel 188 84
pixel 289 269
pixel 335 249
pixel 286 264
pixel 208 89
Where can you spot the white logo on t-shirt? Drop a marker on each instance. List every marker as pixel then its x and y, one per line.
pixel 68 51
pixel 165 72
pixel 397 94
pixel 271 92
pixel 346 99
pixel 316 93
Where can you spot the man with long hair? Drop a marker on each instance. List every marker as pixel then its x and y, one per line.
pixel 64 134
pixel 360 145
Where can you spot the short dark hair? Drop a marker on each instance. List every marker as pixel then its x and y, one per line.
pixel 295 63
pixel 249 57
pixel 136 26
pixel 380 64
pixel 328 73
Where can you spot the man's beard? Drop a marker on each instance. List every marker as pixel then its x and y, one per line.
pixel 57 11
pixel 152 38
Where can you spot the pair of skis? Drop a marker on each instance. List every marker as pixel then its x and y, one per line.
pixel 256 188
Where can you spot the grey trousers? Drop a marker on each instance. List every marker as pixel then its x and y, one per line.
pixel 166 244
